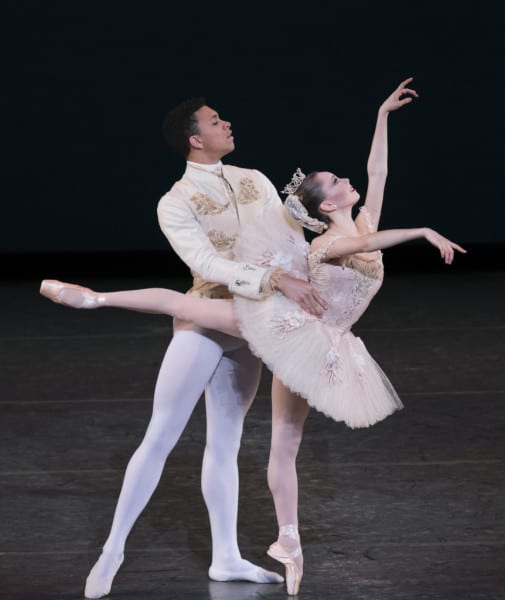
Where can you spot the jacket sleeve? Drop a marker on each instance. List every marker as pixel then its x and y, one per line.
pixel 193 247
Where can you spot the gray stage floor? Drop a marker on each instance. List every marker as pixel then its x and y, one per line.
pixel 412 508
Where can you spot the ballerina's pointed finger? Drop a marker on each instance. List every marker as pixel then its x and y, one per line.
pixel 405 82
pixel 458 248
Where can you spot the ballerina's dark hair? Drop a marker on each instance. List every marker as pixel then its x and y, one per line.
pixel 311 196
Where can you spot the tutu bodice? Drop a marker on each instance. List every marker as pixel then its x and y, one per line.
pixel 348 286
pixel 318 358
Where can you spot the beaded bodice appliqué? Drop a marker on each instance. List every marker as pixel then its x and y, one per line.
pixel 348 285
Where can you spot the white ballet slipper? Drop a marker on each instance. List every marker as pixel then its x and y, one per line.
pixel 101 576
pixel 244 570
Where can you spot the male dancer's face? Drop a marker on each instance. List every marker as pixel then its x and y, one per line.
pixel 215 138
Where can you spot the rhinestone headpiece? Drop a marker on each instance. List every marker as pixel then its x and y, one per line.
pixel 295 183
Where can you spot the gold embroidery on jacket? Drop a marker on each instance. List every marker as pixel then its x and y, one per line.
pixel 248 192
pixel 207 289
pixel 220 240
pixel 204 204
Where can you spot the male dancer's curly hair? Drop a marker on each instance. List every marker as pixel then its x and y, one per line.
pixel 180 124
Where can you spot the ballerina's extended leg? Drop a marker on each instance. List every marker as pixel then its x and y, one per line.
pixel 205 312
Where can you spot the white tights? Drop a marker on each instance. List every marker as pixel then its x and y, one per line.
pixel 190 362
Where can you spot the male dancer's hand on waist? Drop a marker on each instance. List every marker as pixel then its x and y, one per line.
pixel 302 293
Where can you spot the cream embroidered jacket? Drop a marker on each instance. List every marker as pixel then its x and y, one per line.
pixel 201 216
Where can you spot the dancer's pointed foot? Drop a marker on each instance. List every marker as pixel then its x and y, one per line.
pixel 243 570
pixel 288 551
pixel 70 294
pixel 101 576
pixel 293 572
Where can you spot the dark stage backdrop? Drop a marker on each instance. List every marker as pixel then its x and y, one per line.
pixel 86 86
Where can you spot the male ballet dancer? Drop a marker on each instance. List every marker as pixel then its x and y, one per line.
pixel 201 216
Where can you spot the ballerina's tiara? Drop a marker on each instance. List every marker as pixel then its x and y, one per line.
pixel 295 183
pixel 296 208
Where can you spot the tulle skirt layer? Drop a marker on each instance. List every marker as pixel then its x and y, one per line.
pixel 331 369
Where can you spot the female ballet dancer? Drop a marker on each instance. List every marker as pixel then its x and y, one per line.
pixel 318 358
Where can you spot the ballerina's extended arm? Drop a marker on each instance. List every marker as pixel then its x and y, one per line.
pixel 392 237
pixel 377 165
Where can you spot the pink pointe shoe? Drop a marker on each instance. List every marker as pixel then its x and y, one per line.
pixel 70 294
pixel 287 558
